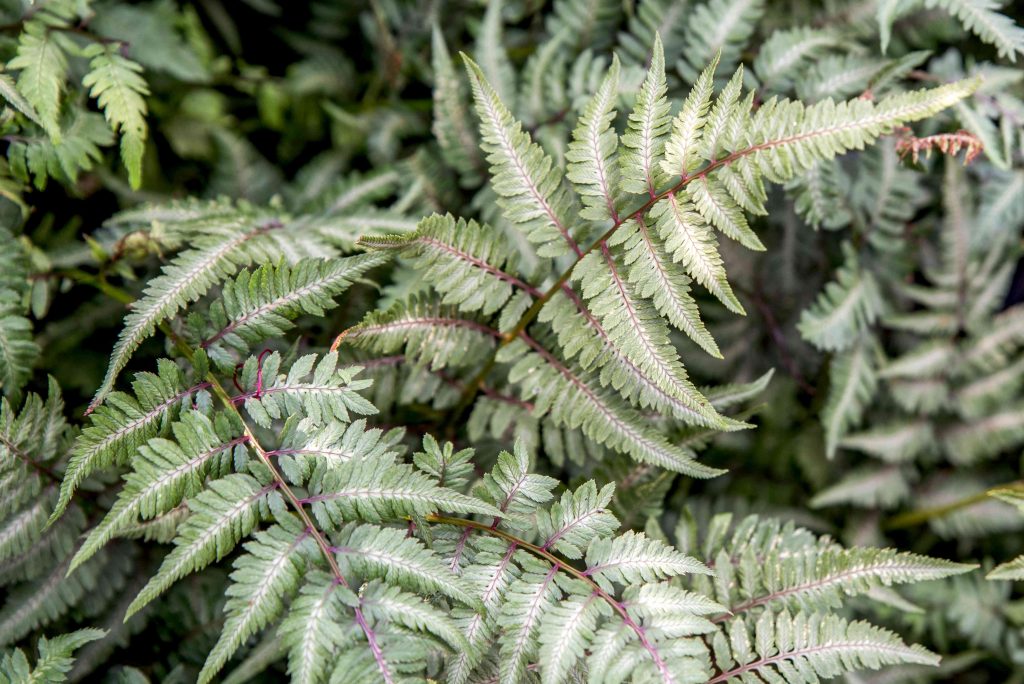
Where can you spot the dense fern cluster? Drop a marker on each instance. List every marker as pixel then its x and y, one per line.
pixel 504 341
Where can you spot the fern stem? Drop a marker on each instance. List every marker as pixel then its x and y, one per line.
pixel 559 564
pixel 296 504
pixel 914 518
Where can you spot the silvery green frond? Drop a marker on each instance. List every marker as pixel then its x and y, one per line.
pixel 467 263
pixel 386 552
pixel 316 626
pixel 124 423
pixel 632 558
pixel 377 489
pixel 428 332
pixel 262 304
pixel 811 646
pixel 165 472
pixel 853 380
pixel 318 390
pixel 528 183
pixel 569 525
pixel 264 578
pixel 228 510
pixel 844 309
pixel 592 165
pixel 643 142
pixel 718 27
pixel 512 488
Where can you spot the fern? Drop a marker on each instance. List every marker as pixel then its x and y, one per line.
pixel 120 90
pixel 54 659
pixel 343 244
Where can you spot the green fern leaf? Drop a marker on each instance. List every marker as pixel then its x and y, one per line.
pixel 852 383
pixel 632 558
pixel 220 516
pixel 388 553
pixel 261 304
pixel 18 350
pixel 844 309
pixel 42 65
pixel 54 662
pixel 592 167
pixel 378 490
pixel 118 86
pixel 468 263
pixel 314 627
pixel 265 577
pixel 124 424
pixel 214 255
pixel 811 647
pixel 319 391
pixel 526 180
pixel 643 143
pixel 165 472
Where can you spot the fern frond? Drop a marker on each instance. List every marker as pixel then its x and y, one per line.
pixel 652 272
pixel 633 558
pixel 219 517
pixel 785 49
pixel 981 18
pixel 576 401
pixel 821 577
pixel 261 304
pixel 525 605
pixel 643 143
pixel 635 326
pixel 165 472
pixel 526 180
pixel 720 27
pixel 682 147
pixel 452 126
pixel 42 64
pixel 36 159
pixel 378 490
pixel 123 424
pixel 318 390
pixel 381 602
pixel 213 256
pixel 468 263
pixel 430 334
pixel 852 382
pixel 844 309
pixel 896 442
pixel 313 628
pixel 265 577
pixel 693 244
pixel 388 553
pixel 868 487
pixel 592 165
pixel 809 646
pixel 18 350
pixel 567 630
pixel 118 86
pixel 569 525
pixel 513 489
pixel 54 662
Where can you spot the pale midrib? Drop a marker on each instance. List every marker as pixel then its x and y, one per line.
pixel 510 152
pixel 841 646
pixel 823 582
pixel 320 284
